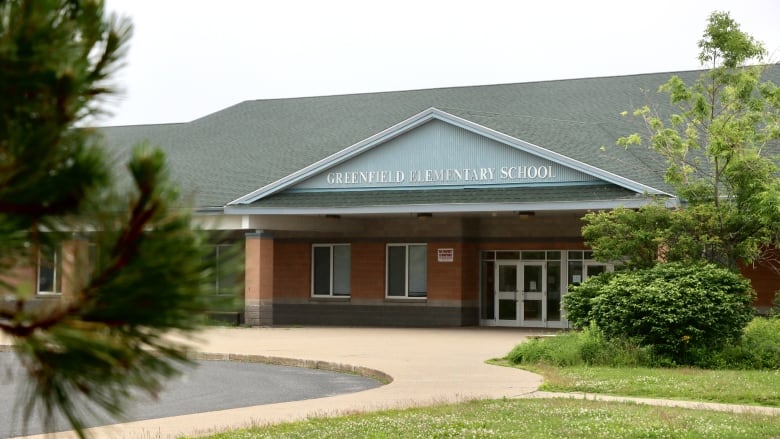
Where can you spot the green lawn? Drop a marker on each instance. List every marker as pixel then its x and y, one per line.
pixel 753 387
pixel 565 418
pixel 527 418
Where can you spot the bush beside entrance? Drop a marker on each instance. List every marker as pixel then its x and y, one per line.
pixel 680 312
pixel 758 348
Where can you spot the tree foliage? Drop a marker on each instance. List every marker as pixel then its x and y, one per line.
pixel 146 277
pixel 721 147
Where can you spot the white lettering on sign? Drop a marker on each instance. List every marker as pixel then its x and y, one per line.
pixel 365 177
pixel 445 175
pixel 523 172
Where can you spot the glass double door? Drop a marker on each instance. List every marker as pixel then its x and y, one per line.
pixel 520 293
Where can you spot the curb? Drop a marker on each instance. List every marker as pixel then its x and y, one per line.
pixel 378 375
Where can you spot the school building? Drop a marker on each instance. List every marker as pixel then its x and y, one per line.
pixel 440 207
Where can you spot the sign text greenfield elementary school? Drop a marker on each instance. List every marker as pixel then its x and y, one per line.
pixel 448 175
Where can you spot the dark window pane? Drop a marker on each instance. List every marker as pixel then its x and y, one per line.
pixel 226 280
pixel 575 272
pixel 507 278
pixel 488 292
pixel 396 271
pixel 553 291
pixel 532 278
pixel 594 270
pixel 488 256
pixel 418 270
pixel 48 276
pixel 210 259
pixel 507 309
pixel 533 255
pixel 341 270
pixel 532 310
pixel 322 270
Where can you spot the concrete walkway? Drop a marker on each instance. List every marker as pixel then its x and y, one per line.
pixel 427 366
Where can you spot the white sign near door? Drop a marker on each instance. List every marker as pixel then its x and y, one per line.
pixel 445 254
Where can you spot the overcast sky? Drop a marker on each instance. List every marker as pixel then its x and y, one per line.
pixel 189 58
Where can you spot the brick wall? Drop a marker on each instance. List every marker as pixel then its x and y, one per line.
pixel 258 279
pixel 368 271
pixel 445 279
pixel 765 282
pixel 292 270
pixel 470 272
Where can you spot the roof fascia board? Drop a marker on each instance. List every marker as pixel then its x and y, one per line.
pixel 449 208
pixel 421 118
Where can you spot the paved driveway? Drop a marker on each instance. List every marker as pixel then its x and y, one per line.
pixel 210 386
pixel 427 366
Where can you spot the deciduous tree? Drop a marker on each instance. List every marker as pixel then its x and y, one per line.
pixel 721 147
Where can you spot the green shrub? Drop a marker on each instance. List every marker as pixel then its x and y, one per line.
pixel 758 348
pixel 579 302
pixel 762 340
pixel 675 309
pixel 774 311
pixel 587 347
pixel 560 350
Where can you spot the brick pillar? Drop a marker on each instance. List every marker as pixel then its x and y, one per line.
pixel 259 279
pixel 75 267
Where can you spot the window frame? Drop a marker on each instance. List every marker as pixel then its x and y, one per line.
pixel 406 247
pixel 218 253
pixel 585 259
pixel 331 274
pixel 56 268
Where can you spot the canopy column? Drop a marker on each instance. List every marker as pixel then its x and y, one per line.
pixel 259 279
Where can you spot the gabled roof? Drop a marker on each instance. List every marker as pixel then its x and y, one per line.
pixel 229 154
pixel 424 117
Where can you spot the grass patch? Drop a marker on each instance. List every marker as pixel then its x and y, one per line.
pixel 588 347
pixel 757 348
pixel 587 361
pixel 537 418
pixel 752 387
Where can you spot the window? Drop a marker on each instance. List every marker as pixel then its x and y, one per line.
pixel 331 270
pixel 407 270
pixel 582 266
pixel 224 276
pixel 49 271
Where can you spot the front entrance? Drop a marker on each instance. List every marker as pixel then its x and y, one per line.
pixel 521 293
pixel 524 288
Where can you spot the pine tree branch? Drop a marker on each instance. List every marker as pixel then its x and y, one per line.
pixel 125 249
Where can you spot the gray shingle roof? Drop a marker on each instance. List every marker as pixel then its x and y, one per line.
pixel 235 151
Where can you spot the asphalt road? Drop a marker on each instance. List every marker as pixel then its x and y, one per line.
pixel 210 386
